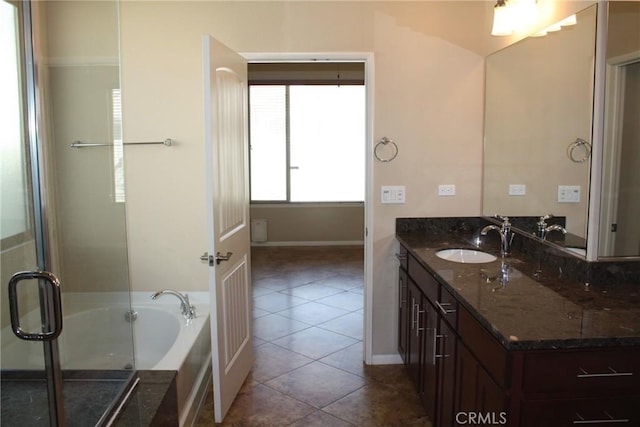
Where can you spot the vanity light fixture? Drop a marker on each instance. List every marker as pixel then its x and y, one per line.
pixel 502 21
pixel 568 21
pixel 571 20
pixel 513 15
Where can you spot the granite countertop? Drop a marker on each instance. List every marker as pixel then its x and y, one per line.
pixel 536 308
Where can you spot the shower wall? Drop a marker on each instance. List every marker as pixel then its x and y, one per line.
pixel 82 70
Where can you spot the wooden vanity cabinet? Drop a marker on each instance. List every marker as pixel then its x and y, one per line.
pixel 592 386
pixel 460 368
pixel 428 339
pixel 403 315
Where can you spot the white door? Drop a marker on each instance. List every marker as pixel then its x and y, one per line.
pixel 226 125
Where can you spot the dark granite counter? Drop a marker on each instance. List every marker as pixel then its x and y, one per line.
pixel 534 304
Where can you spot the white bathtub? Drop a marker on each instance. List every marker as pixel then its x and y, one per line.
pixel 98 335
pixel 165 340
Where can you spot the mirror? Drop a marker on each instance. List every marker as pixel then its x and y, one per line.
pixel 619 231
pixel 538 127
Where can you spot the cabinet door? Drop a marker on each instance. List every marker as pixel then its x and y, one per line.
pixel 446 359
pixel 414 341
pixel 476 392
pixel 404 315
pixel 428 317
pixel 466 380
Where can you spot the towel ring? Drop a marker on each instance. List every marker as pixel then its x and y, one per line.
pixel 579 142
pixel 384 142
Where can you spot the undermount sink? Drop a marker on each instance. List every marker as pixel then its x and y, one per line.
pixel 466 256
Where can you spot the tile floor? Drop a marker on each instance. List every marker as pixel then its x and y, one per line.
pixel 308 370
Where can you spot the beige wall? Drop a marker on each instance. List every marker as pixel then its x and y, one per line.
pixel 79 66
pixel 301 224
pixel 428 97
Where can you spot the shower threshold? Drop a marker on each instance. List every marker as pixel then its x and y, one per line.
pixel 89 396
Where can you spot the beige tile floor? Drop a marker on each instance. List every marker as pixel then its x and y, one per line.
pixel 308 370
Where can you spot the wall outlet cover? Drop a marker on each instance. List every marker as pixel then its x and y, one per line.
pixel 517 189
pixel 446 190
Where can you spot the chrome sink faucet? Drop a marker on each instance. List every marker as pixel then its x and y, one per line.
pixel 506 236
pixel 188 311
pixel 543 229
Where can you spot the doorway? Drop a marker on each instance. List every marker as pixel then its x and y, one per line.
pixel 367 60
pixel 619 230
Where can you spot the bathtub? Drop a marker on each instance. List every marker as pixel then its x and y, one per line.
pixel 165 340
pixel 97 334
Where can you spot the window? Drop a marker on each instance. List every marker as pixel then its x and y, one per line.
pixel 15 221
pixel 118 147
pixel 307 140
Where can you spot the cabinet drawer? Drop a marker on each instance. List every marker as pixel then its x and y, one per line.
pixel 448 307
pixel 425 281
pixel 582 371
pixel 620 411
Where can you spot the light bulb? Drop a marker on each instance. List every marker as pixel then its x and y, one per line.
pixel 502 25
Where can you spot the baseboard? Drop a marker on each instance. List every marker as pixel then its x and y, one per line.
pixel 312 243
pixel 386 359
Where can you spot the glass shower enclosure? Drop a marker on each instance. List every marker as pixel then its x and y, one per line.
pixel 66 338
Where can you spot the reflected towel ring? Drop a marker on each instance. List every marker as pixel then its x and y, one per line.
pixel 380 146
pixel 579 142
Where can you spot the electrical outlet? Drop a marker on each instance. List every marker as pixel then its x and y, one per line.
pixel 446 190
pixel 517 189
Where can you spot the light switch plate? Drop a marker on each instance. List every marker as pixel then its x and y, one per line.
pixel 392 194
pixel 568 194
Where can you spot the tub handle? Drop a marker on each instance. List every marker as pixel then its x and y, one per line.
pixel 50 302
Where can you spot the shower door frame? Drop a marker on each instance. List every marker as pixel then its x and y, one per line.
pixel 52 368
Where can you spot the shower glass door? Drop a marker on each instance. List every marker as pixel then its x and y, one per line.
pixel 62 211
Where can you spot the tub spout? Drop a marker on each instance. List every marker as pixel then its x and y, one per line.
pixel 188 311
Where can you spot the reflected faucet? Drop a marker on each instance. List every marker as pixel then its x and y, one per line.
pixel 502 277
pixel 506 236
pixel 543 229
pixel 188 311
pixel 554 227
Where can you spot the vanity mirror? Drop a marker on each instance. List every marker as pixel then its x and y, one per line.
pixel 538 119
pixel 539 115
pixel 619 228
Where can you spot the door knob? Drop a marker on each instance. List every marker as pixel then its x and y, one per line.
pixel 219 257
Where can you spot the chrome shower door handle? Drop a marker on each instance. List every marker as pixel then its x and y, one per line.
pixel 53 287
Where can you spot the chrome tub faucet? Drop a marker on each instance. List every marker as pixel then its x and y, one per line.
pixel 506 236
pixel 188 311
